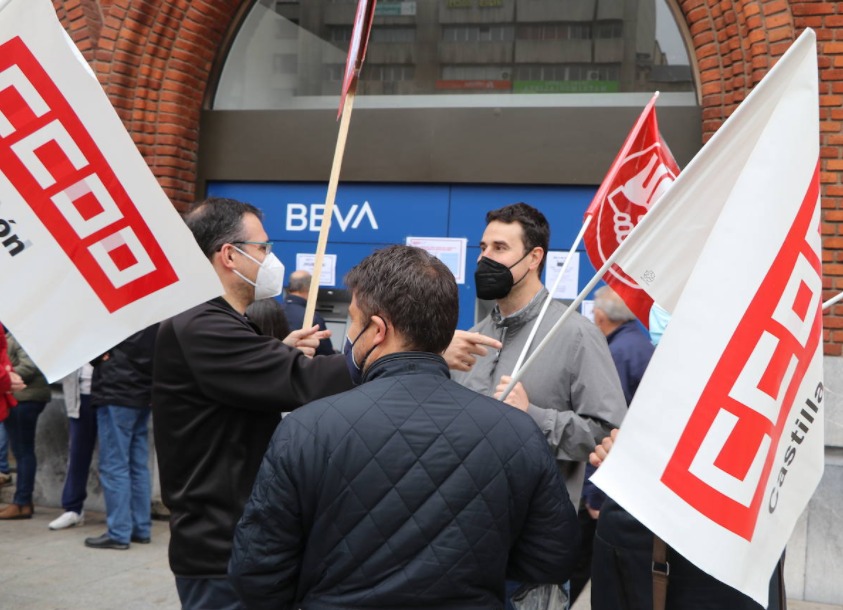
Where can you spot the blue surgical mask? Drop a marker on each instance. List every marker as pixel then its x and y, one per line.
pixel 356 370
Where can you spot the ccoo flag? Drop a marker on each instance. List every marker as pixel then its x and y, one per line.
pixel 723 444
pixel 92 250
pixel 642 171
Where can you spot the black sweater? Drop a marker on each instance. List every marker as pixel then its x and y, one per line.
pixel 219 388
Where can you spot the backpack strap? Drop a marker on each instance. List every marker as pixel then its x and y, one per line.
pixel 661 573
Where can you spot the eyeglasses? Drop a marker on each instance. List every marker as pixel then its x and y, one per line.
pixel 263 246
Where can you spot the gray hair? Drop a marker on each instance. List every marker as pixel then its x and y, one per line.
pixel 299 281
pixel 612 305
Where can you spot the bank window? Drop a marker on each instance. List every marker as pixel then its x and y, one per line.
pixel 555 31
pixel 393 34
pixel 285 63
pixel 476 73
pixel 387 73
pixel 339 34
pixel 608 29
pixel 308 42
pixel 478 33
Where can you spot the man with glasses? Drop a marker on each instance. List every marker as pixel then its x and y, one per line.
pixel 219 387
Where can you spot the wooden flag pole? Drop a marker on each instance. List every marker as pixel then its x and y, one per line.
pixel 328 214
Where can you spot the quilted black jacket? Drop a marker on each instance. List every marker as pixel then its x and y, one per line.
pixel 409 491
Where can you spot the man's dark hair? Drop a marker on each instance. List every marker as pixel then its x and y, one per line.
pixel 270 318
pixel 410 289
pixel 217 221
pixel 534 228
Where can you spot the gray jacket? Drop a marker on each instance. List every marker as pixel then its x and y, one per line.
pixel 574 390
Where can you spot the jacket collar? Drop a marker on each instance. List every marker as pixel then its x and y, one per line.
pixel 221 303
pixel 407 363
pixel 523 315
pixel 295 299
pixel 623 329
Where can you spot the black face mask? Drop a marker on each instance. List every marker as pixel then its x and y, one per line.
pixel 493 280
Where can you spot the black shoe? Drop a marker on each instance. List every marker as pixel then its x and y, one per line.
pixel 140 540
pixel 105 542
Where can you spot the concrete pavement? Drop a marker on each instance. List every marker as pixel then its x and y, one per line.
pixel 46 570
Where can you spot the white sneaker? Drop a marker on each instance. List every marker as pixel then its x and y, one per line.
pixel 68 519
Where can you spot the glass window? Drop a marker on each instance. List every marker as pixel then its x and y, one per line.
pixel 291 53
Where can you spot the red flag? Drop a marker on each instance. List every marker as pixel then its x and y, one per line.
pixel 357 46
pixel 640 174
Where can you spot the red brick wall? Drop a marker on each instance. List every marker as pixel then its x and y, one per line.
pixel 154 57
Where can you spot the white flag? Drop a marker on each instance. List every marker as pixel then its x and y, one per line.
pixel 91 249
pixel 723 444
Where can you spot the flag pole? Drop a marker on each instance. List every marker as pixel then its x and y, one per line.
pixel 832 301
pixel 610 260
pixel 328 214
pixel 516 376
pixel 549 298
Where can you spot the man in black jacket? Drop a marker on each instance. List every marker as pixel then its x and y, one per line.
pixel 120 393
pixel 409 490
pixel 219 388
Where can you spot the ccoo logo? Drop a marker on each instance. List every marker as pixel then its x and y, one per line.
pixel 643 177
pixel 724 457
pixel 52 161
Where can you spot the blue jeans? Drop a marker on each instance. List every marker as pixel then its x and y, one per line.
pixel 207 594
pixel 20 426
pixel 124 471
pixel 4 450
pixel 83 439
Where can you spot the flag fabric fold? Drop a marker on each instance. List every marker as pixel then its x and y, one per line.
pixel 641 173
pixel 357 46
pixel 92 249
pixel 723 444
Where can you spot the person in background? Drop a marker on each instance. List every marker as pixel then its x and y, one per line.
pixel 121 391
pixel 82 438
pixel 21 425
pixel 270 317
pixel 9 382
pixel 631 352
pixel 295 304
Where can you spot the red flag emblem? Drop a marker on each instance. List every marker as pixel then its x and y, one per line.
pixel 643 170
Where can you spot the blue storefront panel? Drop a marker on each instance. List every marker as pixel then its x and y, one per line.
pixel 370 216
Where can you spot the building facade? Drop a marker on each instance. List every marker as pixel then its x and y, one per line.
pixel 464 94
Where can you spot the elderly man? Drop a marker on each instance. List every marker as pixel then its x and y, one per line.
pixel 295 304
pixel 219 387
pixel 410 490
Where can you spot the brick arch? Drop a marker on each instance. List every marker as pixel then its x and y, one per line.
pixel 154 61
pixel 735 43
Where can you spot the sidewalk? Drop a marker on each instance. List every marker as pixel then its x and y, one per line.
pixel 46 570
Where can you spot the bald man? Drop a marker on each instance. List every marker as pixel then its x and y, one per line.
pixel 295 304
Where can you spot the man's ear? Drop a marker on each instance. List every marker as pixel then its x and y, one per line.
pixel 225 256
pixel 536 257
pixel 599 317
pixel 380 329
